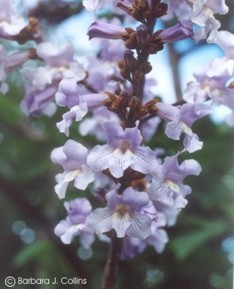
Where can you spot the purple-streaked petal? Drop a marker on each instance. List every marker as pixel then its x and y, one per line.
pixel 120 223
pixel 140 226
pixel 118 162
pixel 98 158
pixel 100 220
pixel 144 160
pixel 161 193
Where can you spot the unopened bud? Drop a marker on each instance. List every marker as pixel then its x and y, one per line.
pixel 134 104
pixel 141 4
pixel 145 67
pixel 159 9
pixel 142 35
pixel 124 71
pixel 130 60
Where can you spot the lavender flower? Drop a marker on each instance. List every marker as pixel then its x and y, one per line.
pixel 102 29
pixel 217 6
pixel 167 188
pixel 72 157
pixel 181 120
pixel 68 95
pixel 94 125
pixel 123 214
pixel 123 150
pixel 214 81
pixel 10 22
pixel 158 237
pixel 141 190
pixel 203 16
pixel 37 102
pixel 76 113
pixel 74 225
pixel 55 55
pixel 10 63
pixel 43 81
pixel 177 32
pixel 201 13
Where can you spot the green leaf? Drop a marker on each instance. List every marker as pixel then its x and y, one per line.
pixel 183 246
pixel 9 110
pixel 32 252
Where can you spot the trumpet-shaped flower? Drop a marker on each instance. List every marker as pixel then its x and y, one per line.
pixel 180 120
pixel 74 225
pixel 214 81
pixel 68 95
pixel 123 150
pixel 203 16
pixel 72 157
pixel 43 81
pixel 10 22
pixel 167 188
pixel 123 214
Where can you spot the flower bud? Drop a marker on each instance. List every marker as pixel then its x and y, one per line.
pixel 105 30
pixel 142 35
pixel 130 60
pixel 177 32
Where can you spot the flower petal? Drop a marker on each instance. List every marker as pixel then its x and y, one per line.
pixel 100 220
pixel 140 226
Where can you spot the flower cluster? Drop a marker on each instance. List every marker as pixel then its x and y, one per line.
pixel 139 190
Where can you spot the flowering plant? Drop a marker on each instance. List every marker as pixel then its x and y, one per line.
pixel 133 190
